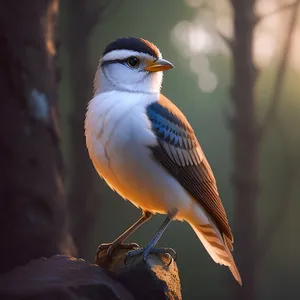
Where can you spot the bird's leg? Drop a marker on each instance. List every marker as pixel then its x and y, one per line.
pixel 151 245
pixel 118 243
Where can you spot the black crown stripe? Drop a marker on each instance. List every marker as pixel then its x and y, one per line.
pixel 135 44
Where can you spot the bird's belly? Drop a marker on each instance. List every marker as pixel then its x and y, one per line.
pixel 147 185
pixel 125 162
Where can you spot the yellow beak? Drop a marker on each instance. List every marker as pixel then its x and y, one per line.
pixel 159 65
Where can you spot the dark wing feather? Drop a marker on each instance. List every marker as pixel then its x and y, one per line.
pixel 180 153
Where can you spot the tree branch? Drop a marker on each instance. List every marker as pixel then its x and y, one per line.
pixel 276 11
pixel 227 40
pixel 270 115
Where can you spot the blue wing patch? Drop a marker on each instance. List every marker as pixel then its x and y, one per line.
pixel 175 135
pixel 179 152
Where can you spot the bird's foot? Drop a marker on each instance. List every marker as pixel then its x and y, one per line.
pixel 111 247
pixel 146 251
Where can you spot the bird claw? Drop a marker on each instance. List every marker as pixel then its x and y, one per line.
pixel 111 247
pixel 171 252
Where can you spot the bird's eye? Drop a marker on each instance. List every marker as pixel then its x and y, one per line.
pixel 132 62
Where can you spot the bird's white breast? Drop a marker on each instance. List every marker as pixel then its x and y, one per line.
pixel 118 135
pixel 113 123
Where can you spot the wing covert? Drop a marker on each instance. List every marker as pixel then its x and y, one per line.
pixel 181 155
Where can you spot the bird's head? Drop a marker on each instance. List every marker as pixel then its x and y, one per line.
pixel 132 65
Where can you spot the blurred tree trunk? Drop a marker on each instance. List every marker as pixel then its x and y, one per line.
pixel 81 174
pixel 245 145
pixel 81 17
pixel 247 138
pixel 32 201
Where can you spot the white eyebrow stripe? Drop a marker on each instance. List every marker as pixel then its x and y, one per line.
pixel 123 54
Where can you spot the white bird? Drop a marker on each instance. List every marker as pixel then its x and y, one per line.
pixel 146 150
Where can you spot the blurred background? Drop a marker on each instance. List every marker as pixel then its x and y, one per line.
pixel 236 78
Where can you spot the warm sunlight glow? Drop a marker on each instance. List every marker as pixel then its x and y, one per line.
pixel 270 34
pixel 264 47
pixel 265 39
pixel 52 12
pixel 199 38
pixel 207 82
pixel 196 37
pixel 194 3
pixel 199 64
pixel 195 42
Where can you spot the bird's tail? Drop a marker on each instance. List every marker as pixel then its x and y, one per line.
pixel 218 246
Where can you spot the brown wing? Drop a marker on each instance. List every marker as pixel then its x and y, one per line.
pixel 180 153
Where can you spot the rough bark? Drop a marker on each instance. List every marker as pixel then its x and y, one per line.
pixel 32 202
pixel 245 145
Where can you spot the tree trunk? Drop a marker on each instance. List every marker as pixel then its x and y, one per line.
pixel 245 145
pixel 82 203
pixel 32 202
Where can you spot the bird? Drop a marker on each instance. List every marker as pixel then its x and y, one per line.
pixel 145 149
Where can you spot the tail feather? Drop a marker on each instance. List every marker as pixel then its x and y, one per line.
pixel 219 247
